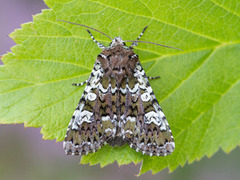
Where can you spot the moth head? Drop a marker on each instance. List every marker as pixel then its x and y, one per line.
pixel 117 41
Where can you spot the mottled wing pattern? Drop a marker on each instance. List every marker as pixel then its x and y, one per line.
pixel 93 122
pixel 144 126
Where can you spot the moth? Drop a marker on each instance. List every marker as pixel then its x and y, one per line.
pixel 118 105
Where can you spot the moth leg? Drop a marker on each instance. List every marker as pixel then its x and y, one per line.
pixel 156 77
pixel 80 84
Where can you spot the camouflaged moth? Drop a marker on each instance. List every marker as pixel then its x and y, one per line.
pixel 118 106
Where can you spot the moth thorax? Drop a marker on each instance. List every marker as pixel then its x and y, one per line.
pixel 117 41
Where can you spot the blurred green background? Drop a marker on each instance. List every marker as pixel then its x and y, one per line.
pixel 25 156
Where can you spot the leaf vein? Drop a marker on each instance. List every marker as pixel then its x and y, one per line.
pixel 48 82
pixel 187 77
pixel 170 24
pixel 226 9
pixel 201 114
pixel 60 62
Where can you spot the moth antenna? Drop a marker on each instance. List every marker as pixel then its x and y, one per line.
pixel 153 43
pixel 86 27
pixel 135 42
pixel 94 40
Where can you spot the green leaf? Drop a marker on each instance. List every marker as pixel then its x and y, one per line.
pixel 198 90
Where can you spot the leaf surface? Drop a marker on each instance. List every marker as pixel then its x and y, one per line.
pixel 198 89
